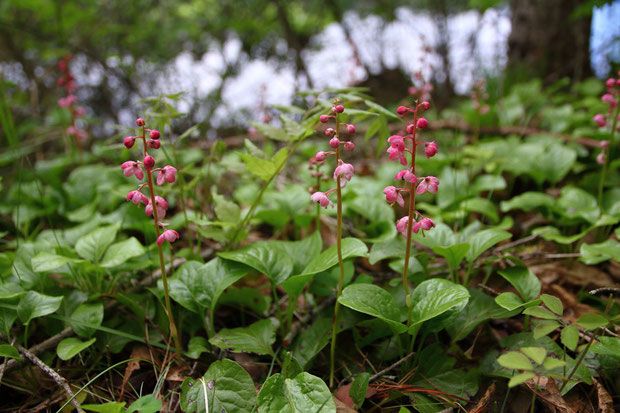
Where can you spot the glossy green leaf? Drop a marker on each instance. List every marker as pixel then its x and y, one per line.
pixel 515 360
pixel 33 305
pixel 553 303
pixel 509 301
pixel 228 387
pixel 537 354
pixel 90 313
pixel 44 261
pixel 266 257
pixel 121 252
pixel 111 407
pixel 593 254
pixel 70 347
pixel 375 301
pixel 196 346
pixel 359 387
pixel 526 283
pixel 145 404
pixel 609 346
pixel 92 245
pixel 550 363
pixel 540 312
pixel 591 321
pixel 483 240
pixel 528 201
pixel 255 338
pixel 435 297
pixel 7 350
pixel 577 203
pixel 312 340
pixel 570 337
pixel 544 327
pixel 304 393
pixel 453 254
pixel 10 290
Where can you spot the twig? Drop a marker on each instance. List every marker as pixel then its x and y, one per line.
pixel 393 366
pixel 297 324
pixel 61 381
pixel 515 243
pixel 606 290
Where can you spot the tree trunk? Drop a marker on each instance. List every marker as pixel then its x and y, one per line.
pixel 546 42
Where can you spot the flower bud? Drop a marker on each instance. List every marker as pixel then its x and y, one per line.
pixel 339 109
pixel 129 141
pixel 154 134
pixel 604 145
pixel 425 105
pixel 422 123
pixel 153 143
pixel 350 128
pixel 600 120
pixel 610 83
pixel 410 128
pixel 324 118
pixel 320 156
pixel 149 162
pixel 329 132
pixel 402 110
pixel 140 122
pixel 334 142
pixel 348 146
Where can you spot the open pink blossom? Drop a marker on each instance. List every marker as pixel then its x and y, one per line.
pixel 407 175
pixel 401 225
pixel 137 197
pixel 600 120
pixel 430 149
pixel 321 199
pixel 344 171
pixel 600 158
pixel 424 224
pixel 169 235
pixel 162 206
pixel 396 141
pixel 430 184
pixel 397 155
pixel 168 173
pixel 132 168
pixel 393 195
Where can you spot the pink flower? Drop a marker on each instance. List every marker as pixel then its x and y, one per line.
pixel 321 199
pixel 129 141
pixel 320 156
pixel 600 120
pixel 422 123
pixel 137 197
pixel 161 204
pixel 407 175
pixel 153 143
pixel 395 154
pixel 324 118
pixel 604 144
pixel 80 111
pixel 600 158
pixel 334 142
pixel 149 162
pixel 154 134
pixel 424 224
pixel 425 105
pixel 168 235
pixel 610 83
pixel 132 168
pixel 402 110
pixel 430 184
pixel 348 146
pixel 344 171
pixel 338 109
pixel 167 173
pixel 350 129
pixel 430 149
pixel 393 195
pixel 67 102
pixel 401 225
pixel 140 122
pixel 396 141
pixel 330 132
pixel 410 128
pixel 609 98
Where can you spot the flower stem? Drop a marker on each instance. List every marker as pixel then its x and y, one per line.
pixel 340 263
pixel 612 137
pixel 173 326
pixel 410 224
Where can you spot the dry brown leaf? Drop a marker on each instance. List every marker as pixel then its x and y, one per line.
pixel 176 374
pixel 605 402
pixel 342 407
pixel 550 395
pixel 574 273
pixel 483 404
pixel 255 370
pixel 139 351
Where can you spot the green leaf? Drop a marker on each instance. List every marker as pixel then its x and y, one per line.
pixel 358 388
pixel 435 297
pixel 7 350
pixel 262 168
pixel 10 290
pixel 70 347
pixel 111 407
pixel 351 247
pixel 197 287
pixel 591 321
pixel 528 201
pixel 121 252
pixel 255 338
pixel 302 252
pixel 524 280
pixel 227 385
pixel 33 305
pixel 302 394
pixel 570 337
pixel 196 346
pixel 145 404
pixel 509 301
pixel 537 354
pixel 7 318
pixel 483 240
pixel 312 340
pixel 266 257
pixel 92 245
pixel 481 205
pixel 479 308
pixel 375 301
pixel 593 254
pixel 87 313
pixel 44 261
pixel 453 254
pixel 553 303
pixel 520 378
pixel 540 312
pixel 225 210
pixel 274 132
pixel 577 203
pixel 515 360
pixel 551 363
pixel 544 327
pixel 609 346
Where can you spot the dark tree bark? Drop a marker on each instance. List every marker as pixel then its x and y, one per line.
pixel 547 42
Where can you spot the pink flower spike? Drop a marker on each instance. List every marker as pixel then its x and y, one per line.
pixel 137 197
pixel 168 235
pixel 132 168
pixel 345 171
pixel 422 123
pixel 129 141
pixel 167 173
pixel 140 122
pixel 154 134
pixel 350 129
pixel 401 225
pixel 392 195
pixel 430 149
pixel 321 199
pixel 334 142
pixel 430 184
pixel 600 120
pixel 407 175
pixel 149 162
pixel 324 118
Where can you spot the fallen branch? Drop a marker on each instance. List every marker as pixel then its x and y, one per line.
pixel 391 367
